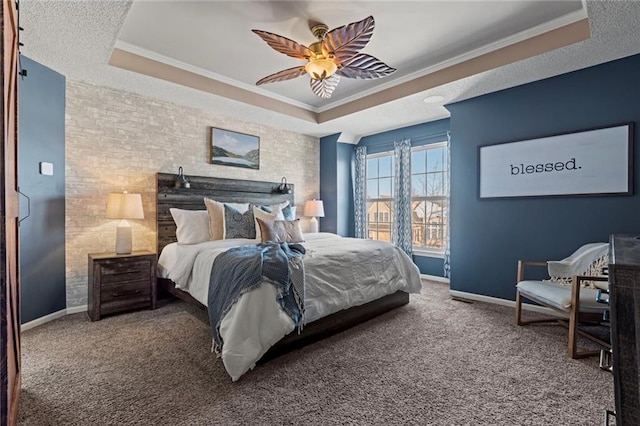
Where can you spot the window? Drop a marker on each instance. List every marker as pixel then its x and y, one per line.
pixel 380 170
pixel 380 216
pixel 429 196
pixel 429 193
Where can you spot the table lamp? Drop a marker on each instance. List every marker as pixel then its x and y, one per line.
pixel 124 206
pixel 314 208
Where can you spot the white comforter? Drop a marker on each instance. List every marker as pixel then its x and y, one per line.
pixel 340 273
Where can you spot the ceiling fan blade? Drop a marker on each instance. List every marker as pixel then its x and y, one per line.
pixel 365 67
pixel 284 45
pixel 283 75
pixel 346 41
pixel 324 88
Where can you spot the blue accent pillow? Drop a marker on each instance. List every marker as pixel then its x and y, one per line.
pixel 289 212
pixel 238 225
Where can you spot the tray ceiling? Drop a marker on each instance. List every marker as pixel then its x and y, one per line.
pixel 214 40
pixel 204 54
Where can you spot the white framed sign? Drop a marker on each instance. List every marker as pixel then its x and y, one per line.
pixel 590 162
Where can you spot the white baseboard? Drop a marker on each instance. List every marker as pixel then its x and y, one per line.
pixel 503 302
pixel 43 320
pixel 47 318
pixel 434 278
pixel 77 309
pixel 453 293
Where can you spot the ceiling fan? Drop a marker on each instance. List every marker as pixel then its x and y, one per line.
pixel 335 54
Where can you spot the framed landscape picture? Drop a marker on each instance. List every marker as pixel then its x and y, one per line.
pixel 235 149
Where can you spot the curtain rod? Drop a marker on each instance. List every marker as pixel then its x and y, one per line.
pixel 447 134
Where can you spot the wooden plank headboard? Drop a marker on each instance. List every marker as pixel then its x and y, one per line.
pixel 219 189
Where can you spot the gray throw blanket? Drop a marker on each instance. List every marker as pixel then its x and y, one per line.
pixel 244 268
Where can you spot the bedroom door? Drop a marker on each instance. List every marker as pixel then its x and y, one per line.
pixel 9 285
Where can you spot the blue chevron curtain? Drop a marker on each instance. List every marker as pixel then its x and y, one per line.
pixel 447 250
pixel 401 234
pixel 360 192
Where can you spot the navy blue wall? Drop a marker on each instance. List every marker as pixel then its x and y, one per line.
pixel 420 134
pixel 344 159
pixel 489 236
pixel 42 241
pixel 328 183
pixel 429 265
pixel 336 190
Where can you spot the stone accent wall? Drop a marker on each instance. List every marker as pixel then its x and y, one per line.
pixel 118 141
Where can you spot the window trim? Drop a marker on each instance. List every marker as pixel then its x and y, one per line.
pixel 428 252
pixel 434 145
pixel 380 154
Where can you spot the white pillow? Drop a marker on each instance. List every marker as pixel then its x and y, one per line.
pixel 258 213
pixel 216 216
pixel 192 226
pixel 276 209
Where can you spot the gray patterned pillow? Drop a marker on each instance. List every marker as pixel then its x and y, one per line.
pixel 238 225
pixel 281 231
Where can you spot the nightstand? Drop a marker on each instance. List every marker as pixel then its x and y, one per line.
pixel 121 282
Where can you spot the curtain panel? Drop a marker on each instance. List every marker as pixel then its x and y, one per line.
pixel 360 192
pixel 401 235
pixel 447 248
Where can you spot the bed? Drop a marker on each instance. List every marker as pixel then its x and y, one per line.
pixel 332 304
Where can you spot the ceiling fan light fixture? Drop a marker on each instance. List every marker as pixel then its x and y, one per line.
pixel 321 68
pixel 336 54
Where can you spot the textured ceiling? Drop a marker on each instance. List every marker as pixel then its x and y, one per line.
pixel 410 36
pixel 76 38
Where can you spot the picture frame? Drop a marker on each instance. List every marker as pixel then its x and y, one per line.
pixel 235 149
pixel 591 162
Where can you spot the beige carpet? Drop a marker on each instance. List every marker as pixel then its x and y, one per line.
pixel 434 362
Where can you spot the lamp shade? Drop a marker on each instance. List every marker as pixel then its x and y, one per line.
pixel 124 206
pixel 314 208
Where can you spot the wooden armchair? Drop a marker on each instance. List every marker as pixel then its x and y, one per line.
pixel 574 303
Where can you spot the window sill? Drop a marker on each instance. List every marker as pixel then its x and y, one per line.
pixel 428 253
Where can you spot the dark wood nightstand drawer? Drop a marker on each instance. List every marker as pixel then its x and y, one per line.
pixel 125 290
pixel 125 272
pixel 121 283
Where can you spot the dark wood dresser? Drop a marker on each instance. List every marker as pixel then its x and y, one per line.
pixel 624 299
pixel 121 282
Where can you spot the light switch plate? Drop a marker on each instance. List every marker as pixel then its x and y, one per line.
pixel 46 168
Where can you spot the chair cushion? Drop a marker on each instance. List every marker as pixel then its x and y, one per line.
pixel 558 296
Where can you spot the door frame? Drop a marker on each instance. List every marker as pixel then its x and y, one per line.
pixel 9 278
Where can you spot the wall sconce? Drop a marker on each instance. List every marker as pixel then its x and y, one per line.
pixel 284 188
pixel 181 180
